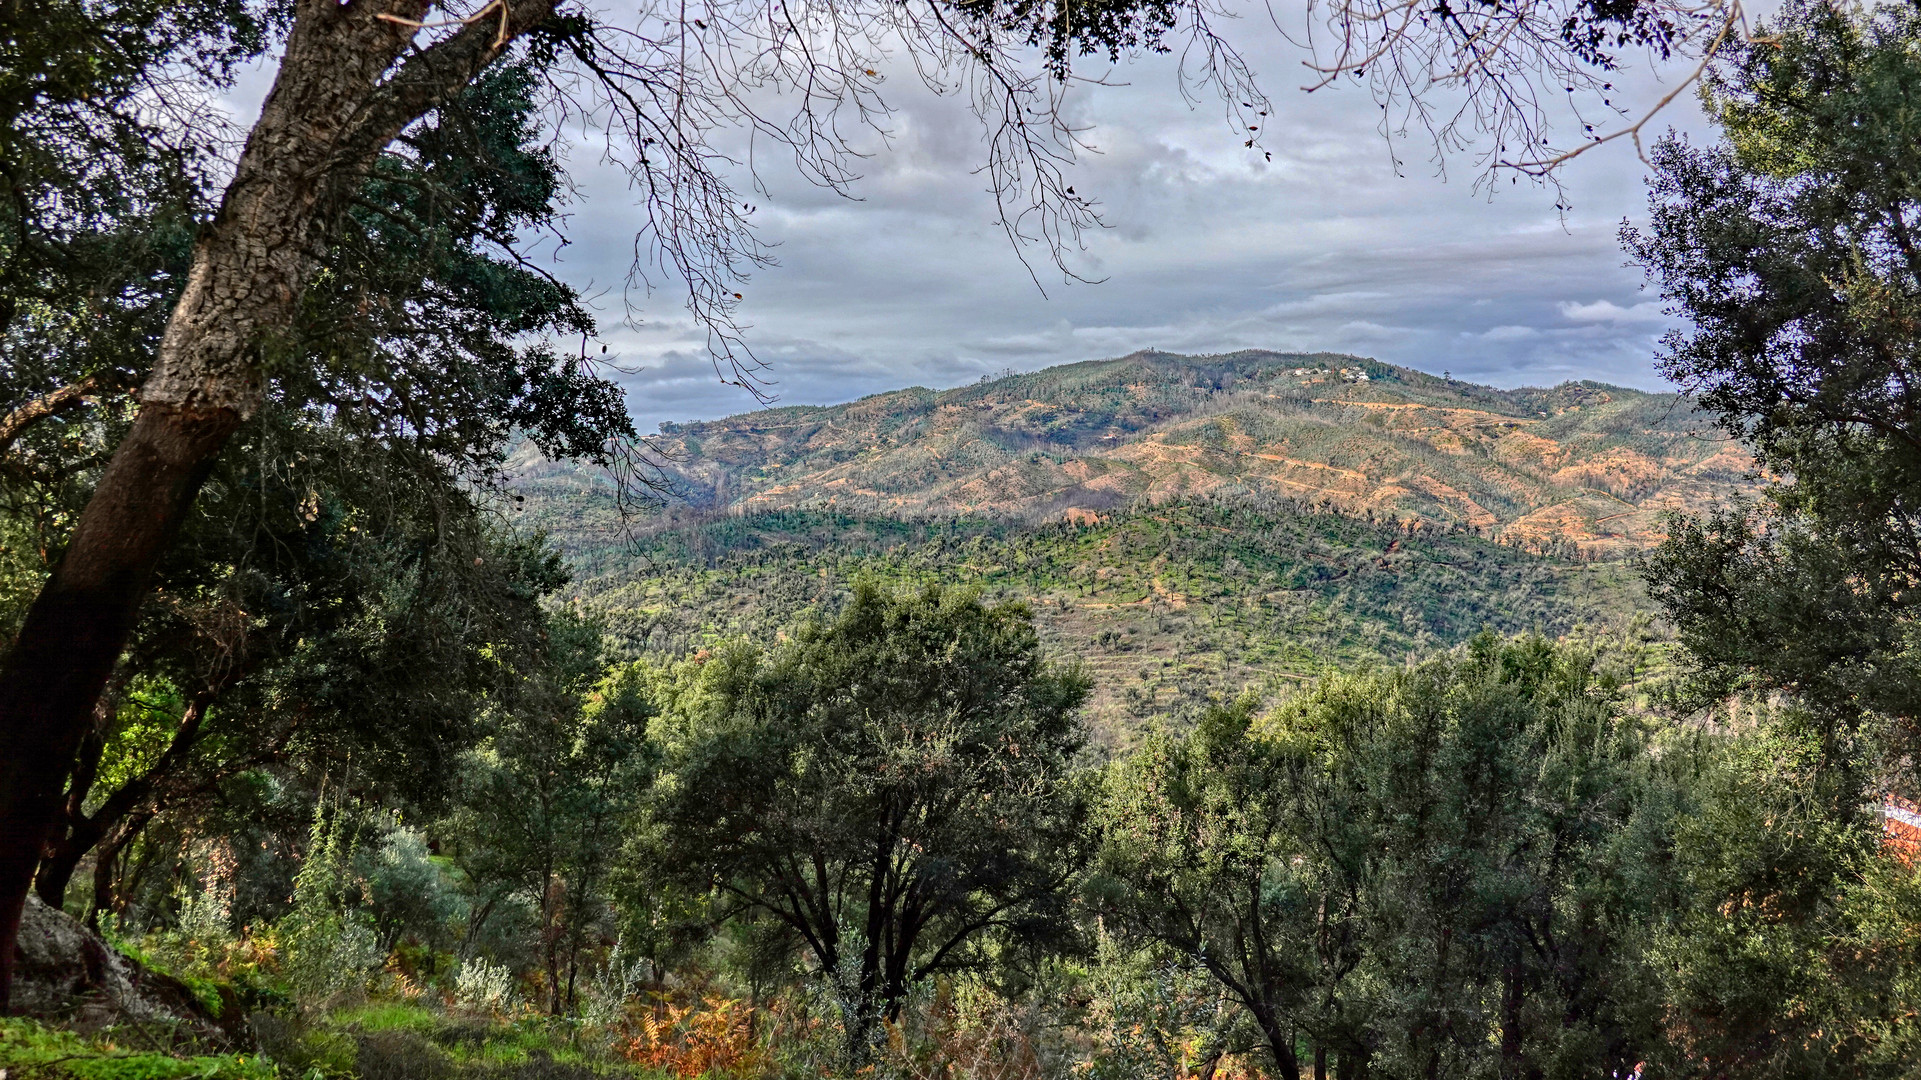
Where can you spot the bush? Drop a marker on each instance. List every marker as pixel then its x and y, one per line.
pixel 406 893
pixel 482 986
pixel 327 949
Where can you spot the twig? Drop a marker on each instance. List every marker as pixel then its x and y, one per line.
pixel 499 39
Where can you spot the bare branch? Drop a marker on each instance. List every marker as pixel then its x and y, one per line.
pixel 1494 80
pixel 51 403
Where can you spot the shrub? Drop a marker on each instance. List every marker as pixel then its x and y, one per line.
pixel 711 1036
pixel 483 986
pixel 327 949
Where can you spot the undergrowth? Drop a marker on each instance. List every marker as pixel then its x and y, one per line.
pixel 31 1050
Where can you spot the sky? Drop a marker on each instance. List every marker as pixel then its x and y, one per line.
pixel 1210 248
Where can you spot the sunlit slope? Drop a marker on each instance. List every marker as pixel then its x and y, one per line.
pixel 1164 605
pixel 1583 462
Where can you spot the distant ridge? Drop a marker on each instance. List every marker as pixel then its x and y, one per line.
pixel 1582 463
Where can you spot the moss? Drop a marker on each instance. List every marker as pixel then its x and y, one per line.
pixel 30 1050
pixel 205 991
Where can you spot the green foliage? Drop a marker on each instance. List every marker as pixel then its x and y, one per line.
pixel 546 798
pixel 341 588
pixel 894 787
pixel 1786 243
pixel 1791 949
pixel 1434 868
pixel 1165 606
pixel 99 195
pixel 407 894
pixel 1151 1013
pixel 329 946
pixel 393 1041
pixel 31 1049
pixel 1474 866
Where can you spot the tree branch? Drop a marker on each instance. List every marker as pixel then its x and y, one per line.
pixel 51 403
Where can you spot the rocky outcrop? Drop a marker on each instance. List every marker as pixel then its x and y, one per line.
pixel 65 972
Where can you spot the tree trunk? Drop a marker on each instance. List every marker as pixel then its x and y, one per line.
pixel 76 628
pixel 1513 1063
pixel 1280 1043
pixel 337 102
pixel 62 851
pixel 56 870
pixel 105 892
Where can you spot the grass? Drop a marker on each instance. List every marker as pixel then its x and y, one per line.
pixel 30 1050
pixel 412 1037
pixel 375 1041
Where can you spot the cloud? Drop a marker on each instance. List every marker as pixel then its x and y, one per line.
pixel 1508 333
pixel 1647 311
pixel 1208 247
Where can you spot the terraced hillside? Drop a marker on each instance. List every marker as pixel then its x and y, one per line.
pixel 1164 604
pixel 1582 462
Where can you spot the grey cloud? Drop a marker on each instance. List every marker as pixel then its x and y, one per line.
pixel 1211 247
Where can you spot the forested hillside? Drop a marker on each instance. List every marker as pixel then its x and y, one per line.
pixel 1165 605
pixel 1184 526
pixel 1585 463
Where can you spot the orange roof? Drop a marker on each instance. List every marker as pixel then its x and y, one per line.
pixel 1901 829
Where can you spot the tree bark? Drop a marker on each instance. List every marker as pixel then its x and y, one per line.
pixel 103 899
pixel 77 626
pixel 338 100
pixel 55 869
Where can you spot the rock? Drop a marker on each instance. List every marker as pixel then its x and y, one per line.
pixel 65 972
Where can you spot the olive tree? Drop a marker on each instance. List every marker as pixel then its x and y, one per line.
pixel 896 786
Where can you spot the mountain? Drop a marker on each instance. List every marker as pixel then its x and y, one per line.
pixel 1183 526
pixel 1583 463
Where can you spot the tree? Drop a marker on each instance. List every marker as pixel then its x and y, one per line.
pixel 365 613
pixel 344 546
pixel 1438 871
pixel 1203 854
pixel 1788 245
pixel 546 798
pixel 1792 952
pixel 894 786
pixel 1524 830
